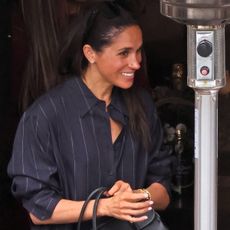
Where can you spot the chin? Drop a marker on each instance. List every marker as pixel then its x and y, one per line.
pixel 125 86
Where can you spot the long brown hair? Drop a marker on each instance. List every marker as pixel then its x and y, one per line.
pixel 45 21
pixel 97 26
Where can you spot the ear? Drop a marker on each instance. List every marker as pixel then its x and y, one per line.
pixel 89 53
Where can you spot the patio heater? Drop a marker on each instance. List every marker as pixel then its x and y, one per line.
pixel 205 20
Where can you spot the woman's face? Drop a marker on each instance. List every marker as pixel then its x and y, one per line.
pixel 117 63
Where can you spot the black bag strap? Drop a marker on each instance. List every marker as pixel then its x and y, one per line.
pixel 99 191
pixel 94 220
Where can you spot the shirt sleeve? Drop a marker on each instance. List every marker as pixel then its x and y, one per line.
pixel 32 166
pixel 161 161
pixel 160 165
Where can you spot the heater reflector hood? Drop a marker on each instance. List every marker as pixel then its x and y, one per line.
pixel 197 12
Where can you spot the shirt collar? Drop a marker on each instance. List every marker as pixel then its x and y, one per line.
pixel 117 108
pixel 118 101
pixel 90 100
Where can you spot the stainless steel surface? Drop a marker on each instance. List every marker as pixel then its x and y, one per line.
pixel 215 61
pixel 197 12
pixel 206 145
pixel 205 20
pixel 206 116
pixel 205 59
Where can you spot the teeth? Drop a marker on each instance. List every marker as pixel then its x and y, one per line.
pixel 128 74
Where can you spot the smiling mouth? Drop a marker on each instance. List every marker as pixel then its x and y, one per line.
pixel 128 75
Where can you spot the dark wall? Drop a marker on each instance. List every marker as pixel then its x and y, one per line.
pixel 12 216
pixel 4 51
pixel 166 43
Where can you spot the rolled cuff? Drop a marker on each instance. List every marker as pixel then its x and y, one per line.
pixel 42 208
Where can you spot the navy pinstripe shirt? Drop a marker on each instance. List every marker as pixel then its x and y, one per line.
pixel 63 149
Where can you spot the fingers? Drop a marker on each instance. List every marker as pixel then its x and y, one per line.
pixel 119 186
pixel 133 219
pixel 126 204
pixel 129 206
pixel 133 214
pixel 128 196
pixel 134 198
pixel 144 206
pixel 134 209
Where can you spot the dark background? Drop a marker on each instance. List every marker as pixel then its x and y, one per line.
pixel 165 45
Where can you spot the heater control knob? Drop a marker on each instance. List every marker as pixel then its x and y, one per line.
pixel 204 48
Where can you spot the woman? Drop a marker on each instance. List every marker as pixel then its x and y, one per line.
pixel 95 129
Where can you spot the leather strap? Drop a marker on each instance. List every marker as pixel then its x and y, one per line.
pixel 98 191
pixel 95 207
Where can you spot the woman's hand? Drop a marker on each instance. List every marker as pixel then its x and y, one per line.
pixel 125 204
pixel 119 186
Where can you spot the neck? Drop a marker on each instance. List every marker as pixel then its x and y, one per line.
pixel 101 89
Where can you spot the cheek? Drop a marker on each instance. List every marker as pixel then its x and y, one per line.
pixel 114 65
pixel 111 64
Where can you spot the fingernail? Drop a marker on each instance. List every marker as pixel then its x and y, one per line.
pixel 145 217
pixel 151 202
pixel 150 208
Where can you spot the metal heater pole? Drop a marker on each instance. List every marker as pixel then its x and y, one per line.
pixel 205 211
pixel 206 75
pixel 205 20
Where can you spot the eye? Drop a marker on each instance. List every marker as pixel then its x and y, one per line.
pixel 139 50
pixel 124 53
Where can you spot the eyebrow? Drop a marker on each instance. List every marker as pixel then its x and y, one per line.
pixel 129 48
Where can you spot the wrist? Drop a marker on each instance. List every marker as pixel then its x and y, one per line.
pixel 103 207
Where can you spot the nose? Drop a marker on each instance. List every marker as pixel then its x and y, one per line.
pixel 135 62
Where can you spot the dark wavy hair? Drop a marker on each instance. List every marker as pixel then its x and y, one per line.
pixel 97 26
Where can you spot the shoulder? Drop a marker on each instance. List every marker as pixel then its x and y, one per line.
pixel 53 102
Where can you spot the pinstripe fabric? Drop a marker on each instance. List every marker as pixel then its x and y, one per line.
pixel 63 149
